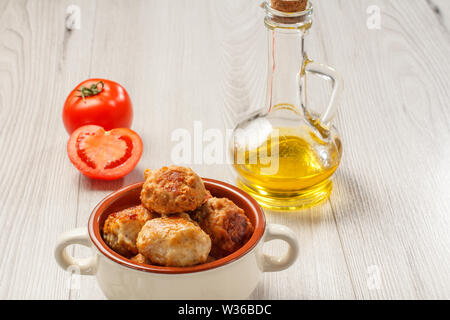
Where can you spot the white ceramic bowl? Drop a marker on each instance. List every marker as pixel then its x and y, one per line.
pixel 233 277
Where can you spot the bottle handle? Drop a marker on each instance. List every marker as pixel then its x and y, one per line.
pixel 338 87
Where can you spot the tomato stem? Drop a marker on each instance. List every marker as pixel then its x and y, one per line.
pixel 92 91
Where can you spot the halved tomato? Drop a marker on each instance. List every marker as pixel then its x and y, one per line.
pixel 104 155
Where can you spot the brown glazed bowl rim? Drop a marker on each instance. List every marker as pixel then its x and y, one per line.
pixel 97 240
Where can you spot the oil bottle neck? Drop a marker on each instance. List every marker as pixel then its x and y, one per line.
pixel 286 37
pixel 285 62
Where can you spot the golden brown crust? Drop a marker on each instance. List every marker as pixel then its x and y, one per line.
pixel 121 229
pixel 226 224
pixel 139 258
pixel 289 5
pixel 172 190
pixel 208 196
pixel 174 241
pixel 147 173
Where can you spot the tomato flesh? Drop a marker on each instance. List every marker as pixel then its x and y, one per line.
pixel 106 155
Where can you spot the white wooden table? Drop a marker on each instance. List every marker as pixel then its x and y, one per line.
pixel 385 231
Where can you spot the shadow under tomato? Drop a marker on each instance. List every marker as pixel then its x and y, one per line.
pixel 102 185
pixel 134 176
pixel 137 175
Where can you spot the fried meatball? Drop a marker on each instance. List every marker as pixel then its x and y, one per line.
pixel 139 258
pixel 226 224
pixel 174 241
pixel 172 190
pixel 208 196
pixel 121 229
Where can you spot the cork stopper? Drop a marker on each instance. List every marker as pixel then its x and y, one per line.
pixel 289 5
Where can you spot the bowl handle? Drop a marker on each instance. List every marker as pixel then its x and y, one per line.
pixel 84 266
pixel 279 232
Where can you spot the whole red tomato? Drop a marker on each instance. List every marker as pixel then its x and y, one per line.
pixel 98 102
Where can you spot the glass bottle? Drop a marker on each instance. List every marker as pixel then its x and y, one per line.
pixel 285 155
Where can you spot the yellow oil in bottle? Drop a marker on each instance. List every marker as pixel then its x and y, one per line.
pixel 286 154
pixel 290 170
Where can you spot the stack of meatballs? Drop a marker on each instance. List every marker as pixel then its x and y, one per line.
pixel 178 224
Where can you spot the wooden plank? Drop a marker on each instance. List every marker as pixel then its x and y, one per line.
pixel 391 199
pixel 35 184
pixel 209 56
pixel 321 272
pixel 441 9
pixel 168 64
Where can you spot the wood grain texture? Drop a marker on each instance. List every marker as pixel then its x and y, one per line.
pixel 184 61
pixel 392 190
